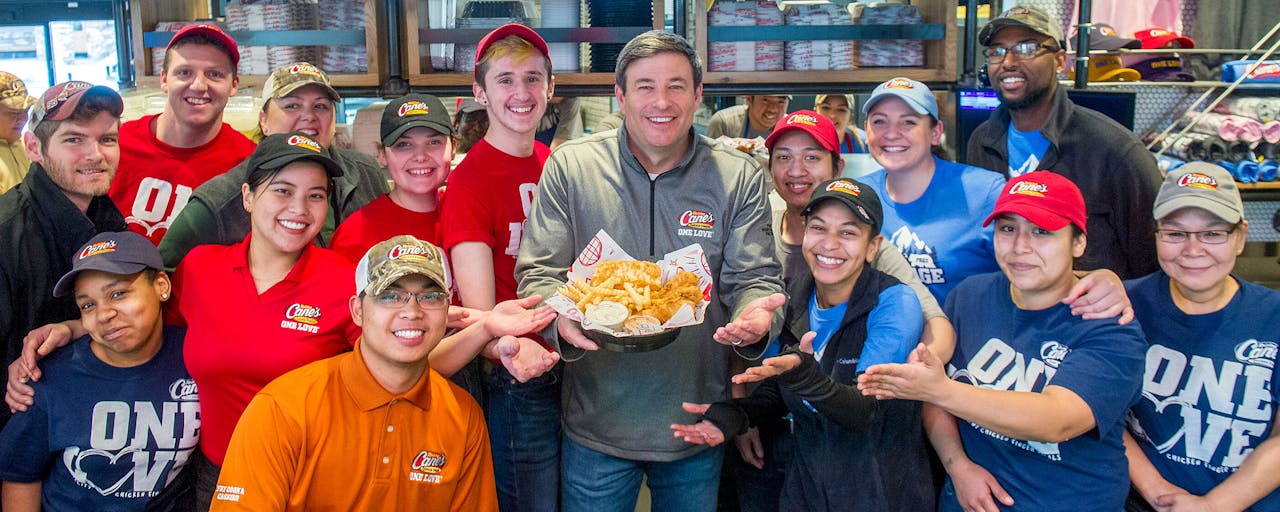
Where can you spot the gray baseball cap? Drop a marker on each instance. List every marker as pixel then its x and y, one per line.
pixel 1030 18
pixel 1200 185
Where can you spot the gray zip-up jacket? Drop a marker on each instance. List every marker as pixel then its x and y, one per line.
pixel 623 404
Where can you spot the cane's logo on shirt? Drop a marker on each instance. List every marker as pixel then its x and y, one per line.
pixel 304 142
pixel 97 248
pixel 302 317
pixel 183 390
pixel 801 118
pixel 413 108
pixel 1261 353
pixel 1198 180
pixel 1052 353
pixel 426 466
pixel 1029 188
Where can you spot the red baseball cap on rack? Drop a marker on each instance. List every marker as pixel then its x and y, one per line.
pixel 1153 38
pixel 511 29
pixel 211 31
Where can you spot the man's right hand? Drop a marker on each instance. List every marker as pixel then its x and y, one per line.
pixel 18 394
pixel 571 331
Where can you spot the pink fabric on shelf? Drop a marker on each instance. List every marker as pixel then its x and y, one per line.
pixel 1271 131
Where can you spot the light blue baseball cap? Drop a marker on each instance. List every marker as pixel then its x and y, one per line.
pixel 917 95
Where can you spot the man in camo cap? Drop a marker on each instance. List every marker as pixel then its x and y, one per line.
pixel 15 105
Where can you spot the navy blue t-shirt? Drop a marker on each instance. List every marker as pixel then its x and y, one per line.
pixel 1002 347
pixel 1209 390
pixel 104 438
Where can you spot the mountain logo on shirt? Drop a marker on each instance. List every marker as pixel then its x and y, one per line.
pixel 97 248
pixel 303 313
pixel 1198 180
pixel 920 255
pixel 1029 188
pixel 413 108
pixel 1052 353
pixel 1261 353
pixel 183 390
pixel 697 219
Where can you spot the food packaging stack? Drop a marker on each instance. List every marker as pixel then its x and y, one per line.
pixel 888 52
pixel 343 15
pixel 268 16
pixel 157 54
pixel 563 13
pixel 818 55
pixel 487 14
pixel 745 55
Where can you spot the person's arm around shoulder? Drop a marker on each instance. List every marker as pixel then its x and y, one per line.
pixel 477 489
pixel 192 227
pixel 262 459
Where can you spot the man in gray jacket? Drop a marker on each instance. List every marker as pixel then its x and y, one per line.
pixel 645 184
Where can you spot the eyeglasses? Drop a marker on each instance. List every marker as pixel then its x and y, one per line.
pixel 1210 237
pixel 394 298
pixel 1024 50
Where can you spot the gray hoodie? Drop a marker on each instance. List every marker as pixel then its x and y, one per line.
pixel 623 404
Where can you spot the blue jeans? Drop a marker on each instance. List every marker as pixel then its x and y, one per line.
pixel 596 482
pixel 524 435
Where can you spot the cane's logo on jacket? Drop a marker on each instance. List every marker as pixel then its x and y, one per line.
pixel 427 467
pixel 696 223
pixel 1198 180
pixel 302 317
pixel 95 249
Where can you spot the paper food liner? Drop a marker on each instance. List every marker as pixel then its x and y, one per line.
pixel 602 248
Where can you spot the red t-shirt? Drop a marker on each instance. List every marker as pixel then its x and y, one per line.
pixel 487 201
pixel 238 341
pixel 154 180
pixel 379 220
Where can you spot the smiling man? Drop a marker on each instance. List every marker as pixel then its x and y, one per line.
pixel 1038 128
pixel 165 156
pixel 61 204
pixel 371 429
pixel 754 119
pixel 641 183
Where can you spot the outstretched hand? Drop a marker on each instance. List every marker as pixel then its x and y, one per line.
pixel 702 432
pixel 753 324
pixel 518 317
pixel 777 365
pixel 524 358
pixel 920 378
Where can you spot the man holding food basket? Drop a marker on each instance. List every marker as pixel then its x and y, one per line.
pixel 654 192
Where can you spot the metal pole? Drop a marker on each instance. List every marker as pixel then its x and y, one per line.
pixel 1082 44
pixel 124 53
pixel 970 74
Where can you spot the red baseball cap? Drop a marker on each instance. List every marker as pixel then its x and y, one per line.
pixel 810 122
pixel 60 101
pixel 1159 38
pixel 511 29
pixel 212 31
pixel 1045 198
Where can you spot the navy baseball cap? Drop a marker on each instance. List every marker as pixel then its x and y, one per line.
pixel 123 253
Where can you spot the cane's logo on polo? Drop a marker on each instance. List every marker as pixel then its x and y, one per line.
pixel 899 83
pixel 846 187
pixel 1029 188
pixel 1052 353
pixel 97 248
pixel 697 219
pixel 427 467
pixel 183 390
pixel 804 119
pixel 1198 180
pixel 305 68
pixel 303 313
pixel 413 108
pixel 1261 353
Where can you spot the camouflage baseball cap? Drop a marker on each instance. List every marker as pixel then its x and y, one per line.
pixel 400 256
pixel 287 79
pixel 1027 17
pixel 13 92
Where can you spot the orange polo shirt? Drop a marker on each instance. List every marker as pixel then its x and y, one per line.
pixel 327 436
